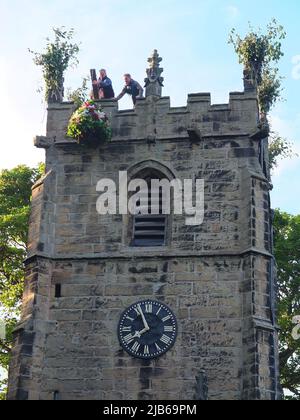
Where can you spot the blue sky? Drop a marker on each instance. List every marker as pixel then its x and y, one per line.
pixel 191 36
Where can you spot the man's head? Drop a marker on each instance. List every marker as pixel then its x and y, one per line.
pixel 127 78
pixel 103 73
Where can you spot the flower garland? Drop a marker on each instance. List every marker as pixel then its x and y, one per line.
pixel 89 125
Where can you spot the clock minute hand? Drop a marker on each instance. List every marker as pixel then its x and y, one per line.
pixel 143 318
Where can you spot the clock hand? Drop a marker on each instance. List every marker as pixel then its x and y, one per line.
pixel 138 334
pixel 144 331
pixel 143 318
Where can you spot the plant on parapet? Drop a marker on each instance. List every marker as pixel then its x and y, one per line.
pixel 89 125
pixel 55 60
pixel 259 53
pixel 79 95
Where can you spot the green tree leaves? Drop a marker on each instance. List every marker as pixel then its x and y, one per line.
pixel 287 253
pixel 15 195
pixel 279 148
pixel 79 95
pixel 258 52
pixel 55 60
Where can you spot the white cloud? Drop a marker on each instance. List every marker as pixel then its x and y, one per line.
pixel 232 12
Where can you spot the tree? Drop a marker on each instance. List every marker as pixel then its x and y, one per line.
pixel 15 195
pixel 287 253
pixel 56 59
pixel 279 148
pixel 259 53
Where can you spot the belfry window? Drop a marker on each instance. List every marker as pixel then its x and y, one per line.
pixel 150 227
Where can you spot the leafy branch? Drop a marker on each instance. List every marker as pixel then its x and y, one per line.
pixel 79 95
pixel 259 52
pixel 279 148
pixel 55 60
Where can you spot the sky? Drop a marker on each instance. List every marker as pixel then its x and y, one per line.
pixel 119 35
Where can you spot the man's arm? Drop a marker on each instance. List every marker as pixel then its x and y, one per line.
pixel 121 94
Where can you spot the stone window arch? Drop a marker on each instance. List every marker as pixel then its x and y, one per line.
pixel 150 230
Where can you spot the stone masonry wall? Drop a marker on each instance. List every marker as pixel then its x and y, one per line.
pixel 216 277
pixel 83 359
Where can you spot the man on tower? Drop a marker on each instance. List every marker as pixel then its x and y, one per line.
pixel 132 88
pixel 105 87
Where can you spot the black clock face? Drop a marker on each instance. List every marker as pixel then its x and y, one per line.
pixel 147 329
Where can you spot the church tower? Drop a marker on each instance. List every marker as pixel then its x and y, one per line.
pixel 148 307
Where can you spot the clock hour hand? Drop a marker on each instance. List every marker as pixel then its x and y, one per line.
pixel 144 331
pixel 143 318
pixel 138 334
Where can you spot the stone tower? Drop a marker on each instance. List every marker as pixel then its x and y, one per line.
pixel 84 270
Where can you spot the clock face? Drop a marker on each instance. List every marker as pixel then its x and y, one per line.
pixel 147 329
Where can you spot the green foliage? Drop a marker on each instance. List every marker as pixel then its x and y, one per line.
pixel 279 148
pixel 15 194
pixel 287 253
pixel 79 95
pixel 55 60
pixel 89 124
pixel 269 89
pixel 3 387
pixel 258 52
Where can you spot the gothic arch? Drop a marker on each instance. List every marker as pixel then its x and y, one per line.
pixel 149 169
pixel 150 165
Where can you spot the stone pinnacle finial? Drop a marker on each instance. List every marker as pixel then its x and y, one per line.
pixel 154 60
pixel 154 81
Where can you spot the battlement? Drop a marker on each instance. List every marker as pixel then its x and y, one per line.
pixel 154 118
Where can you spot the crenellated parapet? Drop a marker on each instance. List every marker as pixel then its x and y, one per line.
pixel 154 117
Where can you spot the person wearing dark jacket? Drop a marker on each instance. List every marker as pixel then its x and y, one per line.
pixel 132 88
pixel 105 87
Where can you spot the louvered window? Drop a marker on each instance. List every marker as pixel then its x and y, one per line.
pixel 150 229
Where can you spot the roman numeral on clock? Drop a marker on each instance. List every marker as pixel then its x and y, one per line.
pixel 165 339
pixel 128 339
pixel 160 308
pixel 149 308
pixel 157 347
pixel 146 350
pixel 126 329
pixel 166 318
pixel 136 347
pixel 168 328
